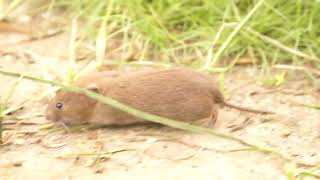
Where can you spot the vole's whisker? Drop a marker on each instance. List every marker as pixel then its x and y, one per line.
pixel 64 126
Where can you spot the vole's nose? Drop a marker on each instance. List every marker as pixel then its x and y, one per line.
pixel 51 115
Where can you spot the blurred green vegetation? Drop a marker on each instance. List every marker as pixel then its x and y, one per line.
pixel 280 31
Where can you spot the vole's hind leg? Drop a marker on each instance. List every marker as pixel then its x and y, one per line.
pixel 213 116
pixel 211 119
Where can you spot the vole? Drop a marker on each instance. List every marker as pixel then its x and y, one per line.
pixel 180 94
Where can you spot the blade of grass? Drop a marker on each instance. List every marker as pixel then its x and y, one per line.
pixel 101 39
pixel 213 46
pixel 72 50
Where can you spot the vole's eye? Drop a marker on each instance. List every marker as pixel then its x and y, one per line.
pixel 59 105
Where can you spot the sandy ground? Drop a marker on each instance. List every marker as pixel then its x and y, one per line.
pixel 35 148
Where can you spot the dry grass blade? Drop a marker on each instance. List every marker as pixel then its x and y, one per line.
pixel 141 63
pixel 309 174
pixel 101 154
pixel 72 50
pixel 313 106
pixel 72 42
pixel 12 109
pixel 214 42
pixel 101 41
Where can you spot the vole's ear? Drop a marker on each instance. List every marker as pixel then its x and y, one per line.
pixel 93 87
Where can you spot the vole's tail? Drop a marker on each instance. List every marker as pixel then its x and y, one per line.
pixel 218 98
pixel 247 109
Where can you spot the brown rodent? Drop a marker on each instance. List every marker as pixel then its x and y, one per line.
pixel 179 94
